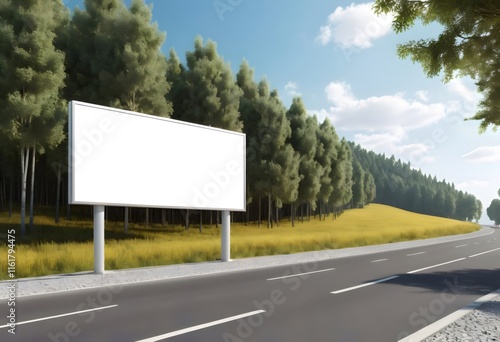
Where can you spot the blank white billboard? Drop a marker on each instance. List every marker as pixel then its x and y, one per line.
pixel 123 158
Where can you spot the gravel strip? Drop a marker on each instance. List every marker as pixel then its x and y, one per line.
pixel 482 324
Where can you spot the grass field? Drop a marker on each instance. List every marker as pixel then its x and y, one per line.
pixel 68 247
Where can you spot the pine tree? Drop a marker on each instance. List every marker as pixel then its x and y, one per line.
pixel 303 140
pixel 358 188
pixel 326 154
pixel 341 176
pixel 271 162
pixel 31 78
pixel 114 58
pixel 213 98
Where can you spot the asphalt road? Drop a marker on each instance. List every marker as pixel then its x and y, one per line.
pixel 376 297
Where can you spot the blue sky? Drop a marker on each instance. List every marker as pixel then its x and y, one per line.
pixel 342 60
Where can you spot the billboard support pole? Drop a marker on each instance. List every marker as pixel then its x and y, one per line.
pixel 226 236
pixel 98 239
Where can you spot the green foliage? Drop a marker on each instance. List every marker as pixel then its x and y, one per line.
pixel 210 95
pixel 303 140
pixel 399 185
pixel 467 46
pixel 114 58
pixel 358 185
pixel 31 73
pixel 341 175
pixel 272 163
pixel 493 211
pixel 326 153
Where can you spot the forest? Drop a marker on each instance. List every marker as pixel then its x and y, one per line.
pixel 110 54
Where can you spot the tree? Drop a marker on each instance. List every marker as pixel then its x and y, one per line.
pixel 370 189
pixel 468 45
pixel 272 164
pixel 114 58
pixel 358 187
pixel 212 96
pixel 303 140
pixel 493 211
pixel 31 78
pixel 341 175
pixel 326 152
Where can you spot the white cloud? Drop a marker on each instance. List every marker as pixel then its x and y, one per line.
pixel 423 95
pixel 354 26
pixel 325 34
pixel 379 113
pixel 486 154
pixel 473 184
pixel 383 123
pixel 393 143
pixel 291 89
pixel 467 97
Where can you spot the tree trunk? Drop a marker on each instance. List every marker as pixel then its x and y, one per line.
pixel 269 212
pixel 319 205
pixel 186 220
pixel 293 214
pixel 211 218
pixel 25 153
pixel 201 221
pixel 163 217
pixel 302 212
pixel 32 187
pixel 125 219
pixel 58 192
pixel 260 212
pixel 147 218
pixel 277 217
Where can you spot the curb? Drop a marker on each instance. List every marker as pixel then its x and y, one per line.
pixel 435 327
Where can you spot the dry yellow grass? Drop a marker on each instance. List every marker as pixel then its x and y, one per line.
pixel 375 224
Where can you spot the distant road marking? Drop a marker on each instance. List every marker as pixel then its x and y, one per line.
pixel 416 253
pixel 58 316
pixel 444 263
pixel 364 285
pixel 462 245
pixel 201 326
pixel 301 274
pixel 488 241
pixel 379 260
pixel 477 243
pixel 478 254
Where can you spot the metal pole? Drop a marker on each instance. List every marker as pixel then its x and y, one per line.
pixel 99 239
pixel 226 236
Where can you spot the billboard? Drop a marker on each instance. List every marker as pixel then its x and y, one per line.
pixel 123 158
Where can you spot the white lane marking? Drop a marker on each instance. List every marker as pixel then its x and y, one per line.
pixel 426 268
pixel 201 326
pixel 477 243
pixel 301 274
pixel 416 253
pixel 462 245
pixel 364 285
pixel 379 260
pixel 488 241
pixel 63 315
pixel 478 254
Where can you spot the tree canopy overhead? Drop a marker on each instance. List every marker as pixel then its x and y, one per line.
pixel 469 44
